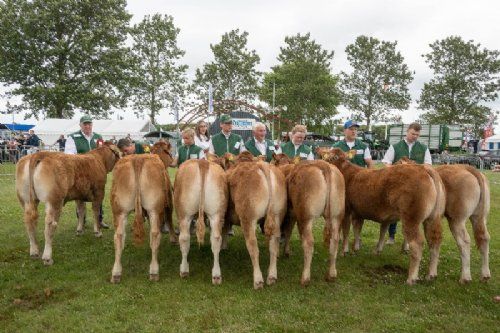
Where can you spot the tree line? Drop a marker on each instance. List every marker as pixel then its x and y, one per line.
pixel 59 56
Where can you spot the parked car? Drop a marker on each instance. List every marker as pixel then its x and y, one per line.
pixel 491 158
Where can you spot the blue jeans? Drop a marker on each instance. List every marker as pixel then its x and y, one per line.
pixel 392 230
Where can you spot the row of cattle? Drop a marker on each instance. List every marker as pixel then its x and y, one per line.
pixel 242 190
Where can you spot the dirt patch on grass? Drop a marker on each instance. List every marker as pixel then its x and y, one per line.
pixel 385 274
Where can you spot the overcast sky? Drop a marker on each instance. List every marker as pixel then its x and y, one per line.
pixel 334 24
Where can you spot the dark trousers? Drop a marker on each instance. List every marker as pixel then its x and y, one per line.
pixel 392 230
pixel 100 215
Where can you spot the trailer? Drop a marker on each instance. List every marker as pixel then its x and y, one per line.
pixel 436 137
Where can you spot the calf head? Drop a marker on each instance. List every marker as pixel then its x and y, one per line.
pixel 109 153
pixel 162 149
pixel 333 155
pixel 226 161
pixel 246 156
pixel 280 159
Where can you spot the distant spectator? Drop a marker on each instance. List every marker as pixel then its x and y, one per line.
pixel 62 142
pixel 32 140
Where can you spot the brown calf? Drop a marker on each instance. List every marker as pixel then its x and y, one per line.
pixel 413 194
pixel 56 178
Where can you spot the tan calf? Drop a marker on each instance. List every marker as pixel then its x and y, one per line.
pixel 257 190
pixel 317 189
pixel 201 188
pixel 139 182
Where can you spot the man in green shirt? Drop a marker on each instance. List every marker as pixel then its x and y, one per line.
pixel 82 142
pixel 296 147
pixel 128 148
pixel 357 151
pixel 408 147
pixel 226 141
pixel 258 145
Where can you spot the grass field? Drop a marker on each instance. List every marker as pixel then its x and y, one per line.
pixel 370 295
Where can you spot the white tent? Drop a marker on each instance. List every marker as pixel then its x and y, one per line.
pixel 49 130
pixel 493 142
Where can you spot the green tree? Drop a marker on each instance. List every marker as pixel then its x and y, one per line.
pixel 62 55
pixel 302 49
pixel 379 80
pixel 232 71
pixel 306 91
pixel 465 76
pixel 157 78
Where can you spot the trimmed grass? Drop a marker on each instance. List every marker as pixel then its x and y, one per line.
pixel 369 295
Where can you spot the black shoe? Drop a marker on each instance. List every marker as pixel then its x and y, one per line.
pixel 103 225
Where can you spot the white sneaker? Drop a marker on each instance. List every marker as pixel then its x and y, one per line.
pixel 390 241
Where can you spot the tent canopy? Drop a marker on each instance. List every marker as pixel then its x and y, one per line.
pixel 19 127
pixel 49 130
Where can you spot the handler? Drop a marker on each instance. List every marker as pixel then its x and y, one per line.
pixel 296 147
pixel 258 145
pixel 357 151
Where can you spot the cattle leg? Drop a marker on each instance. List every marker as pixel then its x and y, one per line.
pixel 415 242
pixel 381 239
pixel 288 224
pixel 305 230
pixel 357 225
pixel 154 242
pixel 80 209
pixel 462 239
pixel 216 243
pixel 52 213
pixel 346 226
pixel 253 249
pixel 433 234
pixel 170 224
pixel 225 229
pixel 333 247
pixel 96 207
pixel 482 237
pixel 119 240
pixel 30 222
pixel 184 242
pixel 274 248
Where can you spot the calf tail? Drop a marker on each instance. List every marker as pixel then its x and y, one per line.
pixel 30 208
pixel 203 166
pixel 483 206
pixel 327 173
pixel 440 205
pixel 270 222
pixel 139 217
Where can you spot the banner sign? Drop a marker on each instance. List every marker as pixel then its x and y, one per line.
pixel 243 124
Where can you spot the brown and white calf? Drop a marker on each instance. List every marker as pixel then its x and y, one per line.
pixel 139 182
pixel 317 189
pixel 257 190
pixel 413 194
pixel 56 178
pixel 200 188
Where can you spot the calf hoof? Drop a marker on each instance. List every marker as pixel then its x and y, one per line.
pixel 174 240
pixel 115 279
pixel 271 280
pixel 465 281
pixel 34 256
pixel 330 278
pixel 305 282
pixel 184 274
pixel 485 278
pixel 404 251
pixel 48 262
pixel 216 280
pixel 154 277
pixel 411 282
pixel 97 234
pixel 286 254
pixel 79 232
pixel 430 277
pixel 258 285
pixel 377 252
